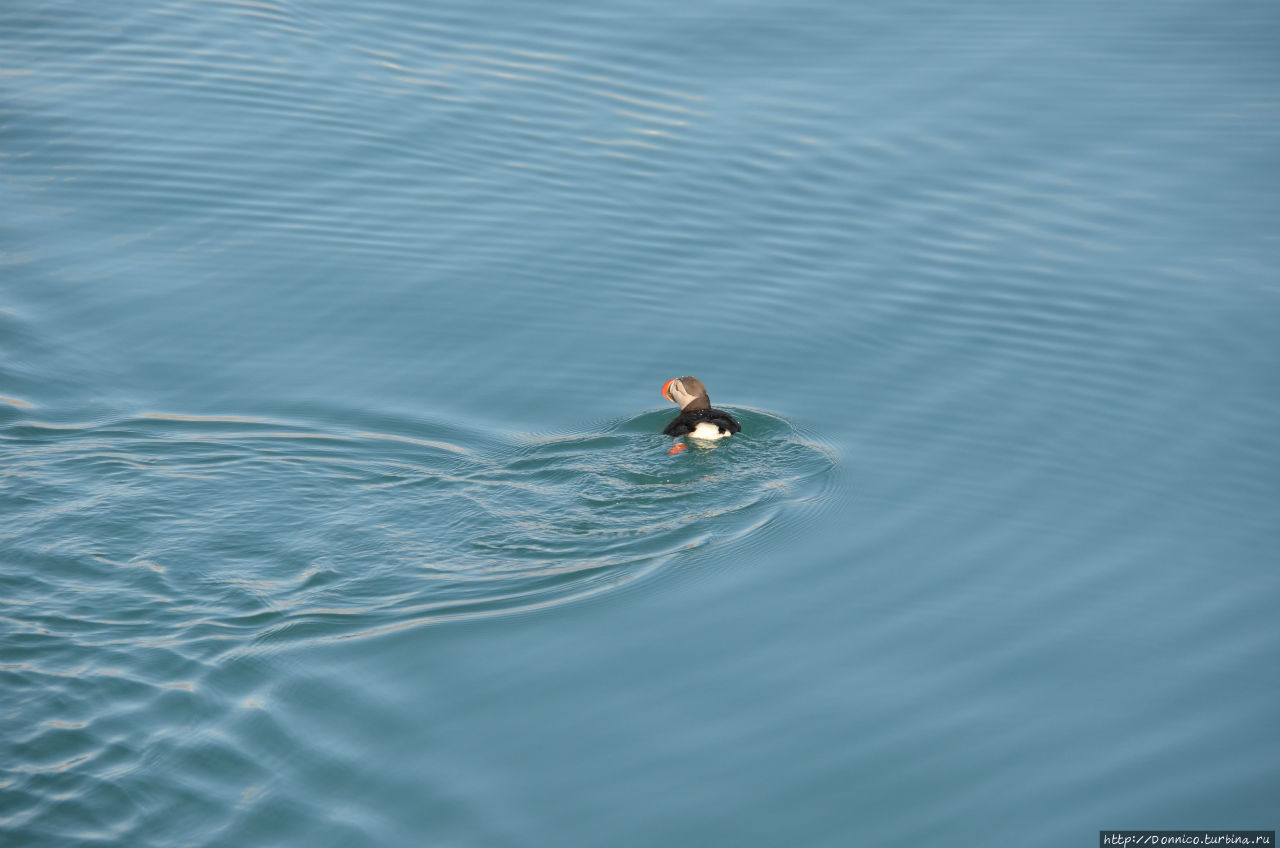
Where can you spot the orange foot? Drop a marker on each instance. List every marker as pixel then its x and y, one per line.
pixel 676 448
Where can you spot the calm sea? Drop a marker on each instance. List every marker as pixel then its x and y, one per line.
pixel 334 505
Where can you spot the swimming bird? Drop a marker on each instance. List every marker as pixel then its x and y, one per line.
pixel 697 419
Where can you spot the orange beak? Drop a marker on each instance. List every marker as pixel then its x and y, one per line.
pixel 666 386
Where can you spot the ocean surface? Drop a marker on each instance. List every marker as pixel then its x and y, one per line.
pixel 334 505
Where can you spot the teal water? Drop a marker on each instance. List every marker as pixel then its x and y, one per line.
pixel 334 508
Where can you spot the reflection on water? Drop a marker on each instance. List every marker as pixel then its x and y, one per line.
pixel 170 545
pixel 405 277
pixel 255 531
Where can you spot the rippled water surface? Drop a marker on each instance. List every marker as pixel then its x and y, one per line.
pixel 334 505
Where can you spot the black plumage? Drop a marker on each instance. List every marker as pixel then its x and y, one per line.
pixel 684 423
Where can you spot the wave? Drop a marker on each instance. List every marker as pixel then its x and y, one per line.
pixel 216 534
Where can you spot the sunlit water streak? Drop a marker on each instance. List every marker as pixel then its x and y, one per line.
pixel 355 519
pixel 175 543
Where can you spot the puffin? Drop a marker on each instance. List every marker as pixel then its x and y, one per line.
pixel 696 419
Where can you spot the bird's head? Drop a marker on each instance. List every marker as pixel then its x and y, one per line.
pixel 688 392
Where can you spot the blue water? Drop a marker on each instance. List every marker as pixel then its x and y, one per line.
pixel 334 505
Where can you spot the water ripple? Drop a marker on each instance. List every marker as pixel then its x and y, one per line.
pixel 212 534
pixel 147 558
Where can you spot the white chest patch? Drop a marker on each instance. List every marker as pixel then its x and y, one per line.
pixel 707 431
